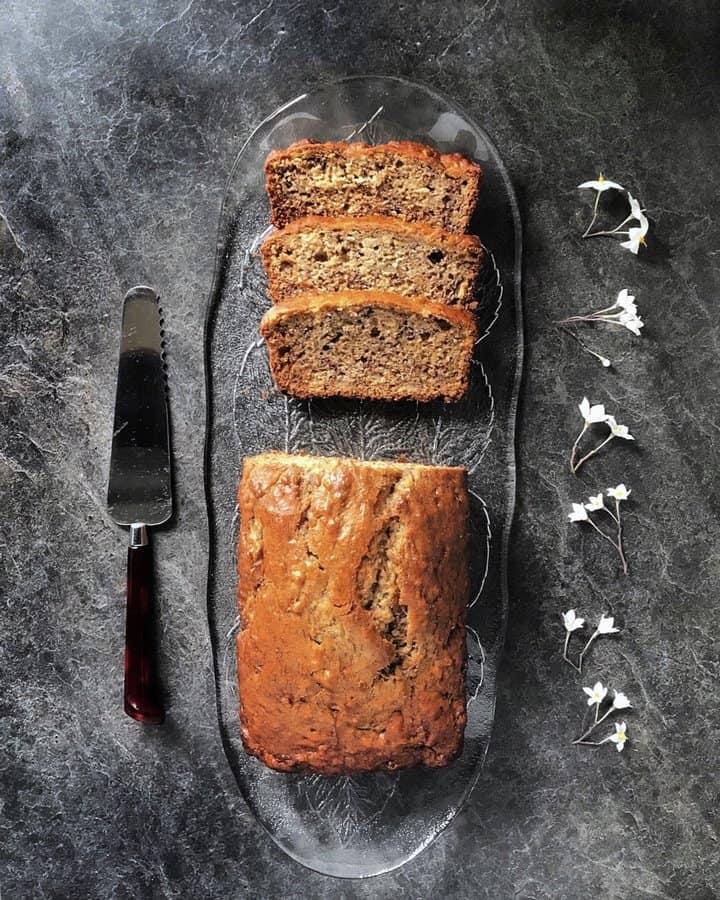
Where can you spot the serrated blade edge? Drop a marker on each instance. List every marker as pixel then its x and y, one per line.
pixel 140 486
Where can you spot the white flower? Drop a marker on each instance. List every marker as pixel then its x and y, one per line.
pixel 620 701
pixel 637 213
pixel 606 625
pixel 635 239
pixel 592 414
pixel 632 322
pixel 605 361
pixel 620 735
pixel 626 302
pixel 596 694
pixel 571 621
pixel 602 184
pixel 619 493
pixel 636 236
pixel 578 514
pixel 595 503
pixel 620 431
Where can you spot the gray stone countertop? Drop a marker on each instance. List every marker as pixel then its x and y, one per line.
pixel 119 123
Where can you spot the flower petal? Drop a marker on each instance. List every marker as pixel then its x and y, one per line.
pixel 578 514
pixel 602 184
pixel 606 625
pixel 620 701
pixel 633 245
pixel 625 300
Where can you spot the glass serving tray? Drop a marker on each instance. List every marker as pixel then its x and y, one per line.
pixel 363 825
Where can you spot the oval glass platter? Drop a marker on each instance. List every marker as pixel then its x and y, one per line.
pixel 363 825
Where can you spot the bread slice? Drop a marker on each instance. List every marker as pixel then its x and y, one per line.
pixel 369 345
pixel 353 586
pixel 404 179
pixel 372 253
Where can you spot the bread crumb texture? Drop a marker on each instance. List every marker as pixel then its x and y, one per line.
pixel 372 253
pixel 369 345
pixel 353 587
pixel 404 179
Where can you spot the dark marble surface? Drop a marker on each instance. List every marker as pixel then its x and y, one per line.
pixel 119 123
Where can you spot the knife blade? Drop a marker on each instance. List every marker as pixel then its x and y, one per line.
pixel 140 486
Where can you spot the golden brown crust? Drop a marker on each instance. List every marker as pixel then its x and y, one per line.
pixel 396 371
pixel 465 175
pixel 422 230
pixel 455 164
pixel 315 302
pixel 353 584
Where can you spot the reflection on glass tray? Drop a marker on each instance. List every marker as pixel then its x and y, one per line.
pixel 363 825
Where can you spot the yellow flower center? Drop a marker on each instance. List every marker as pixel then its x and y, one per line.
pixel 643 241
pixel 601 178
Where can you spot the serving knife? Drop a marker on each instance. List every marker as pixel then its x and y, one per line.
pixel 139 486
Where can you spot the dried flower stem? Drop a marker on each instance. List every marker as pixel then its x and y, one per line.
pixel 622 314
pixel 602 533
pixel 621 549
pixel 588 233
pixel 573 451
pixel 615 230
pixel 589 643
pixel 635 235
pixel 611 513
pixel 606 625
pixel 617 544
pixel 598 721
pixel 587 646
pixel 583 513
pixel 585 649
pixel 605 319
pixel 576 466
pixel 594 216
pixel 565 650
pixel 602 359
pixel 612 232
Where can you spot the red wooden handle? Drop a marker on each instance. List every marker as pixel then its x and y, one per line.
pixel 142 700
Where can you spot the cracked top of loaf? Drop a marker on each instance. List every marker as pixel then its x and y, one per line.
pixel 353 584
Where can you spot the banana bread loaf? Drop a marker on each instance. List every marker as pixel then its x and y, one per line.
pixel 382 253
pixel 353 584
pixel 369 345
pixel 401 178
